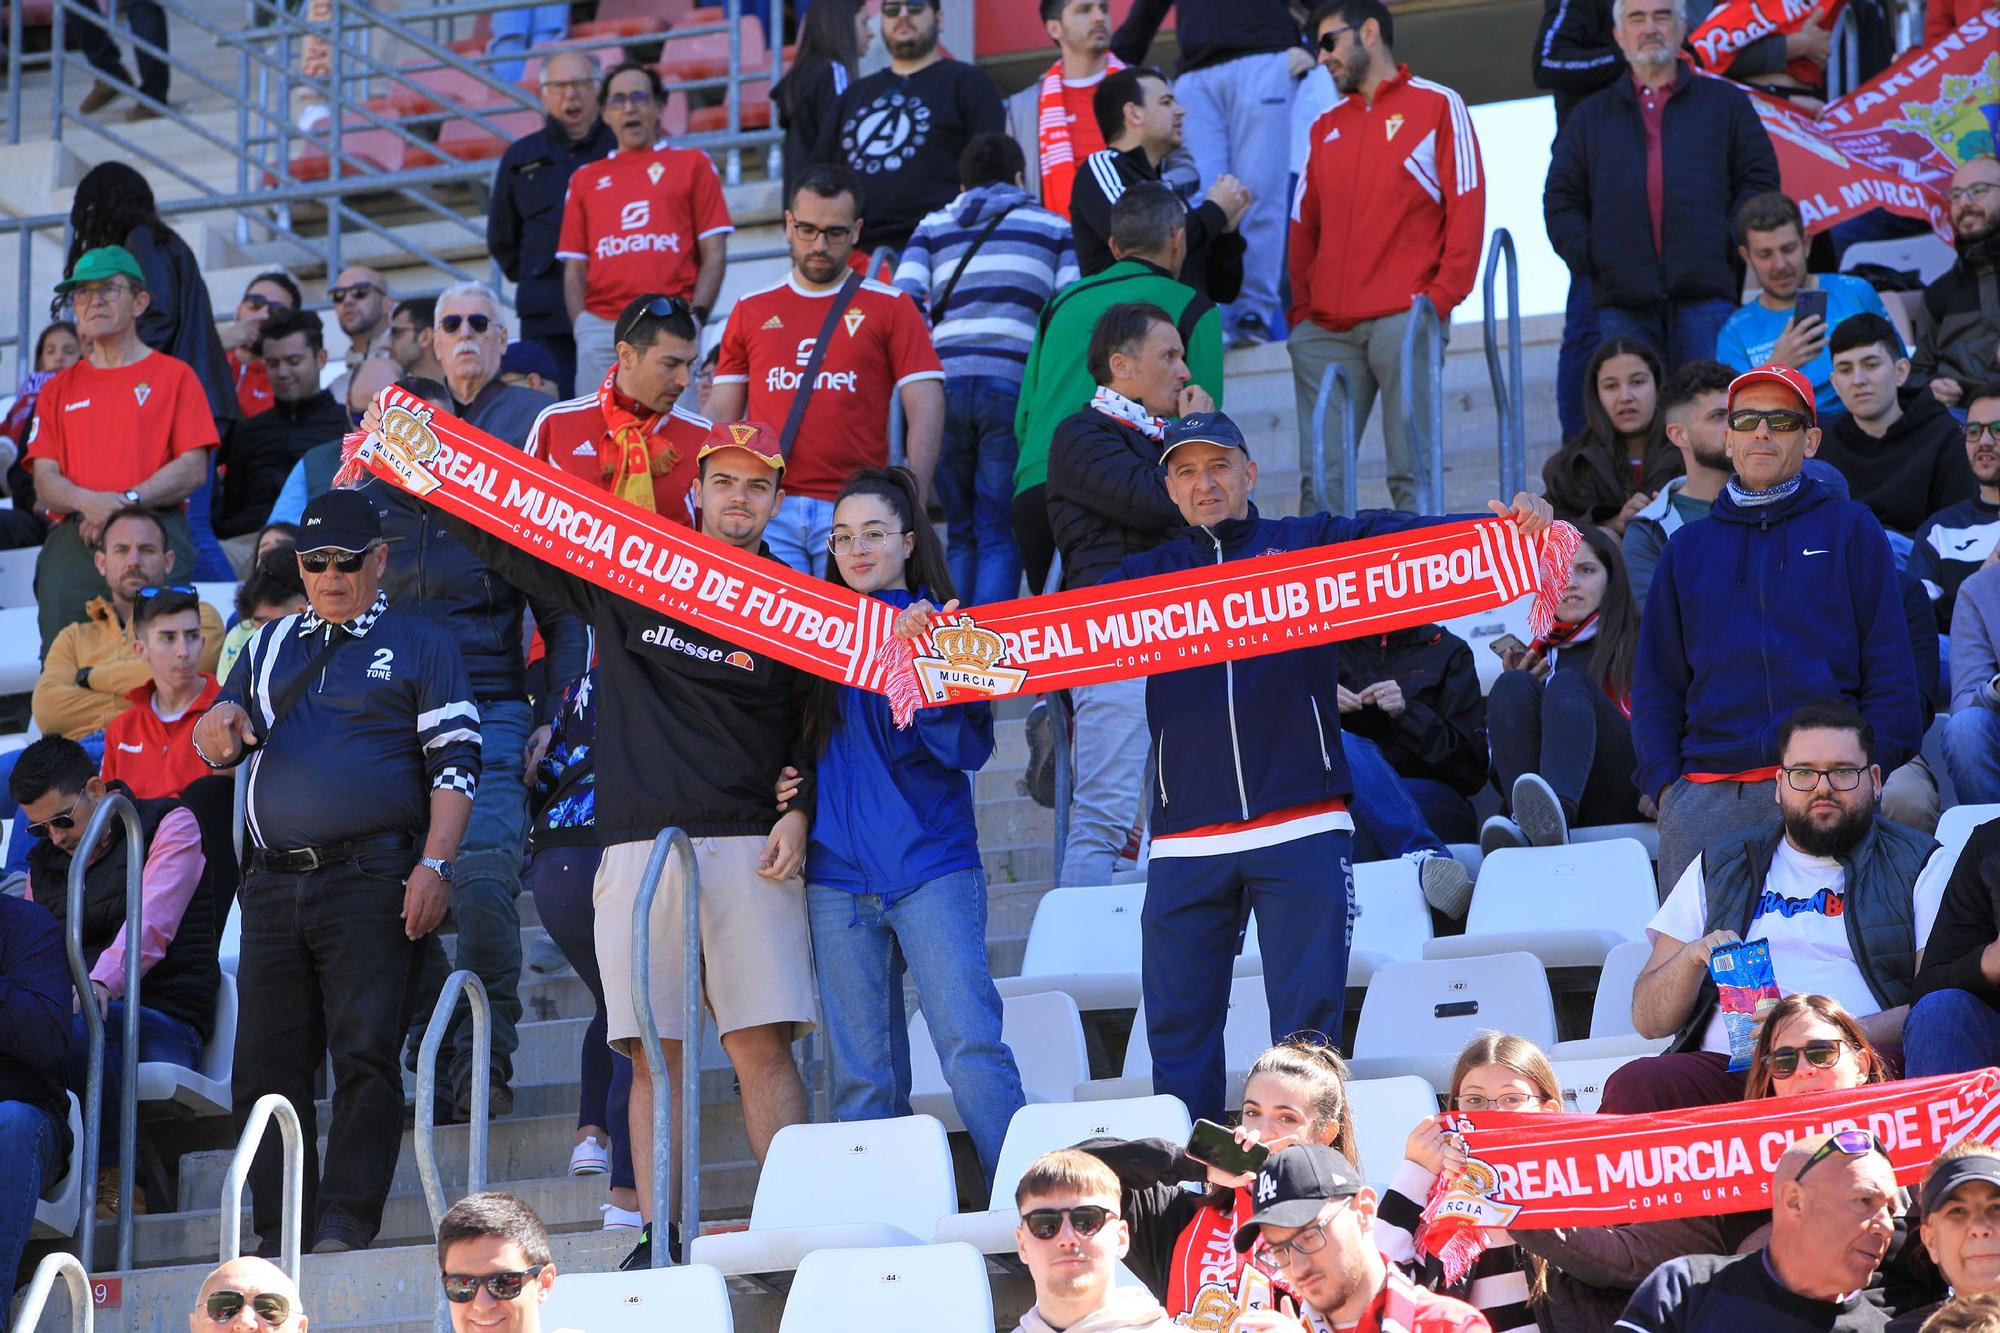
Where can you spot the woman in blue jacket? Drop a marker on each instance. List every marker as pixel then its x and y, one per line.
pixel 893 876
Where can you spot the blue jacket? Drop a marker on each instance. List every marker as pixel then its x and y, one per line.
pixel 1754 612
pixel 894 808
pixel 1238 740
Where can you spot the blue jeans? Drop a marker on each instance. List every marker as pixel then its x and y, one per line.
pixel 1678 331
pixel 161 1038
pixel 1950 1032
pixel 31 1162
pixel 1388 822
pixel 1579 341
pixel 1231 108
pixel 861 948
pixel 797 533
pixel 975 484
pixel 1972 754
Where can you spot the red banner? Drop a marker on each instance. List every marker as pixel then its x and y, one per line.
pixel 1719 38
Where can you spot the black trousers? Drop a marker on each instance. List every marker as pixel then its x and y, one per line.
pixel 1033 535
pixel 325 969
pixel 149 23
pixel 1571 733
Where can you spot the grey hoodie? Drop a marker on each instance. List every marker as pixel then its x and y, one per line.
pixel 1129 1310
pixel 1975 641
pixel 1646 534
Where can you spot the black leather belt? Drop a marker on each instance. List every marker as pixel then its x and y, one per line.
pixel 292 860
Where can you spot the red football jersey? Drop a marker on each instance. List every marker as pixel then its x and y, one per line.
pixel 881 343
pixel 109 430
pixel 635 218
pixel 572 434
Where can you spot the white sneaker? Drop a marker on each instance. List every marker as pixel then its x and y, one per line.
pixel 590 1158
pixel 1539 812
pixel 620 1219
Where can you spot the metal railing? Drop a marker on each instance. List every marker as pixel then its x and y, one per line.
pixel 53 1266
pixel 468 983
pixel 114 805
pixel 1508 404
pixel 1336 388
pixel 271 1106
pixel 1423 360
pixel 672 842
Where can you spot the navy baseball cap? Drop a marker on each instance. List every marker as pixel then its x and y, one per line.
pixel 1294 1185
pixel 339 521
pixel 526 358
pixel 1958 1171
pixel 1203 428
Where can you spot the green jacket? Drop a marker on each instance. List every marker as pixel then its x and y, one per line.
pixel 1057 381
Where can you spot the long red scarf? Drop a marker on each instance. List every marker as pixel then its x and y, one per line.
pixel 629 464
pixel 1244 608
pixel 1718 39
pixel 1057 156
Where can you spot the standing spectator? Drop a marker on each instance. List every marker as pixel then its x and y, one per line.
pixel 1959 539
pixel 1658 261
pixel 1054 118
pixel 126 426
pixel 148 20
pixel 35 1000
pixel 1622 460
pixel 1958 321
pixel 1904 461
pixel 1415 694
pixel 57 348
pixel 983 319
pixel 340 888
pixel 835 422
pixel 636 434
pixel 360 299
pixel 1975 686
pixel 147 747
pixel 1954 1021
pixel 525 217
pixel 1961 1221
pixel 624 217
pixel 1238 65
pixel 57 784
pixel 1694 405
pixel 267 294
pixel 261 451
pixel 494 1263
pixel 1149 238
pixel 1071 1238
pixel 1141 126
pixel 902 128
pixel 411 343
pixel 1737 627
pixel 1382 217
pixel 1767 328
pixel 832 37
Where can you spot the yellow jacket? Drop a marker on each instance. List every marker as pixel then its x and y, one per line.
pixel 100 642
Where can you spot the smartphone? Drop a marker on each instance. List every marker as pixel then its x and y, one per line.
pixel 1811 305
pixel 1505 644
pixel 1215 1145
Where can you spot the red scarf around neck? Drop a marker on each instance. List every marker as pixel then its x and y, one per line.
pixel 629 464
pixel 1057 153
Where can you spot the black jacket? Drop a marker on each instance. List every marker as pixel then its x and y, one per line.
pixel 179 319
pixel 1917 468
pixel 1585 484
pixel 1968 920
pixel 1575 54
pixel 1150 1175
pixel 1958 323
pixel 529 187
pixel 258 455
pixel 1214 263
pixel 1440 731
pixel 903 133
pixel 1209 31
pixel 1716 155
pixel 808 102
pixel 1107 495
pixel 36 995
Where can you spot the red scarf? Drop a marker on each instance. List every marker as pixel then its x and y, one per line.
pixel 628 461
pixel 1204 1277
pixel 1718 39
pixel 1058 155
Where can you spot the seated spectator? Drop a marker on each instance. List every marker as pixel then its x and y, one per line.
pixel 1810 1043
pixel 1415 694
pixel 1960 539
pixel 1694 404
pixel 267 294
pixel 313 474
pixel 273 591
pixel 1902 454
pixel 495 1264
pixel 1825 880
pixel 1766 329
pixel 36 998
pixel 530 365
pixel 1966 1314
pixel 1961 1228
pixel 1390 824
pixel 1071 1239
pixel 359 296
pixel 1954 1020
pixel 1622 459
pixel 148 748
pixel 1834 1201
pixel 1559 716
pixel 247 1295
pixel 412 342
pixel 59 790
pixel 1958 320
pixel 57 349
pixel 1970 736
pixel 260 452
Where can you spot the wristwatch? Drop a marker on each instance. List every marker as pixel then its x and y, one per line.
pixel 440 865
pixel 131 497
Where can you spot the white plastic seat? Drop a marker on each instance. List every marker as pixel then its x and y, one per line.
pixel 1611 1030
pixel 1569 906
pixel 1583 1080
pixel 914 1289
pixel 17 575
pixel 56 1217
pixel 1419 1016
pixel 1643 831
pixel 1246 1034
pixel 1043 1030
pixel 866 1183
pixel 1956 826
pixel 229 949
pixel 20 649
pixel 1391 925
pixel 1084 942
pixel 693 1297
pixel 1481 628
pixel 218 594
pixel 1035 1130
pixel 1385 1111
pixel 204 1091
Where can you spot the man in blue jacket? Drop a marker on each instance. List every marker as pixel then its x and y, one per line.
pixel 1786 591
pixel 1249 805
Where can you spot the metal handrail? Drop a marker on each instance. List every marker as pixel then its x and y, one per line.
pixel 1423 345
pixel 671 841
pixel 1065 768
pixel 62 1265
pixel 482 1076
pixel 1334 385
pixel 1508 404
pixel 114 805
pixel 271 1106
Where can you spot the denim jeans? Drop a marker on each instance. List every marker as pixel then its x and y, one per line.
pixel 1579 340
pixel 975 484
pixel 31 1162
pixel 797 533
pixel 861 949
pixel 1110 747
pixel 1231 109
pixel 1387 820
pixel 1678 331
pixel 561 878
pixel 1950 1032
pixel 486 879
pixel 1972 754
pixel 161 1037
pixel 1568 731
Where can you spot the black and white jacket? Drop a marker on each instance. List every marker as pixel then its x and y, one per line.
pixel 1214 263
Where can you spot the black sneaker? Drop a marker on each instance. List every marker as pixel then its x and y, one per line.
pixel 499 1102
pixel 641 1257
pixel 1039 785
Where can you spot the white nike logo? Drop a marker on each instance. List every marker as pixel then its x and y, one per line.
pixel 1810 551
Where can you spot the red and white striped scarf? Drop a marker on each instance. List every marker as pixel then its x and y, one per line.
pixel 1058 154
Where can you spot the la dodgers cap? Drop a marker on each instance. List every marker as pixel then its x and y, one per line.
pixel 1292 1186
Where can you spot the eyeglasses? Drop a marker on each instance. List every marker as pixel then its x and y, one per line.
pixel 92 292
pixel 357 291
pixel 257 301
pixel 318 562
pixel 1975 431
pixel 1086 1219
pixel 1807 779
pixel 187 588
pixel 897 8
pixel 660 307
pixel 1976 190
pixel 1782 420
pixel 834 235
pixel 450 323
pixel 1309 1240
pixel 461 1288
pixel 617 100
pixel 1853 1142
pixel 868 539
pixel 1511 1101
pixel 273 1307
pixel 1330 39
pixel 67 819
pixel 1821 1054
pixel 569 85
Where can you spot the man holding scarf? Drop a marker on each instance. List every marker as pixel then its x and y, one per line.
pixel 1052 118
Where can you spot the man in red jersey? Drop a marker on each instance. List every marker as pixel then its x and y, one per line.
pixel 630 434
pixel 647 218
pixel 875 340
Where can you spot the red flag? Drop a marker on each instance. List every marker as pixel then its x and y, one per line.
pixel 1718 39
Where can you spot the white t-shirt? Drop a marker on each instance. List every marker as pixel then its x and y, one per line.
pixel 1930 891
pixel 1801 913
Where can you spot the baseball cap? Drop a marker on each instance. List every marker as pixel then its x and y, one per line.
pixel 526 358
pixel 339 521
pixel 1294 1185
pixel 752 437
pixel 1956 1172
pixel 1776 374
pixel 106 261
pixel 1203 428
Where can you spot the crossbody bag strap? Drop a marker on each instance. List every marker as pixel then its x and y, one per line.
pixel 796 417
pixel 944 297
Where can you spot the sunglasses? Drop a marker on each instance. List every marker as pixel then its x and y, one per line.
pixel 65 820
pixel 358 290
pixel 1330 39
pixel 479 323
pixel 259 302
pixel 897 8
pixel 187 588
pixel 1819 1054
pixel 1853 1142
pixel 1783 421
pixel 1086 1219
pixel 273 1307
pixel 462 1288
pixel 659 307
pixel 318 562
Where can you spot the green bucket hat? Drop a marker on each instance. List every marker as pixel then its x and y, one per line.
pixel 106 261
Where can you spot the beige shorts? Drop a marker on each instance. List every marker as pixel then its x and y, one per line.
pixel 755 944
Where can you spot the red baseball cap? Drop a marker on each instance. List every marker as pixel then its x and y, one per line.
pixel 1776 374
pixel 751 437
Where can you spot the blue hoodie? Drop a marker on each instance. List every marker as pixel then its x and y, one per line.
pixel 894 808
pixel 1756 611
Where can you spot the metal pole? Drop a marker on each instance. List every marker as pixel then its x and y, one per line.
pixel 56 60
pixel 482 1074
pixel 14 35
pixel 336 166
pixel 1508 404
pixel 878 258
pixel 1423 347
pixel 1065 771
pixel 53 1266
pixel 269 1107
pixel 672 841
pixel 1336 390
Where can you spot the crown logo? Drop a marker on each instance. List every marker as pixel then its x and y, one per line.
pixel 410 432
pixel 964 644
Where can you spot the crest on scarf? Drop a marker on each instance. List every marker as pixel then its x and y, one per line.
pixel 852 319
pixel 405 441
pixel 1472 1197
pixel 967 664
pixel 1392 124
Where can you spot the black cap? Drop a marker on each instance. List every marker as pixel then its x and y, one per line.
pixel 339 521
pixel 1947 1178
pixel 1294 1185
pixel 1204 428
